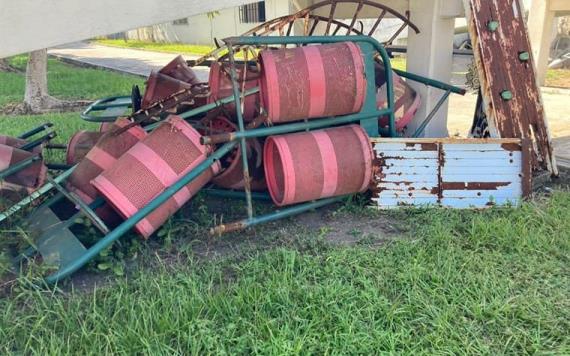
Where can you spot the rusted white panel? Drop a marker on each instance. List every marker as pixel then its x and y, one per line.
pixel 452 173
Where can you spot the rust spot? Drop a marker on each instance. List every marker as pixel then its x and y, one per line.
pixel 514 147
pixel 474 185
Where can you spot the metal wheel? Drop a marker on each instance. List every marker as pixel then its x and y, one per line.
pixel 319 20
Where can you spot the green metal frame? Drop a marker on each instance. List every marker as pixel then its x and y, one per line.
pixel 367 117
pixel 96 111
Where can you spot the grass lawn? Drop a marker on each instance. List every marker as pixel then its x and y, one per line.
pixel 491 282
pixel 180 48
pixel 67 82
pixel 420 281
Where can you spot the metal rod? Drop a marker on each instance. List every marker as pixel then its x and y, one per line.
pixel 294 127
pixel 23 164
pixel 58 166
pixel 139 215
pixel 431 115
pixel 83 207
pixel 237 194
pixel 276 215
pixel 35 195
pixel 36 130
pixel 241 128
pixel 40 141
pixel 431 82
pixel 56 146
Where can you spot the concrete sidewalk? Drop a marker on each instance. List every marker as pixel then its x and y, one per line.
pixel 461 108
pixel 132 61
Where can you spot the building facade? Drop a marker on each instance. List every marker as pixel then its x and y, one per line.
pixel 202 29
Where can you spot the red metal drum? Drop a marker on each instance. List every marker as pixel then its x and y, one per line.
pixel 178 69
pixel 312 165
pixel 159 87
pixel 406 100
pixel 12 141
pixel 150 167
pixel 30 177
pixel 232 175
pixel 312 81
pixel 80 144
pixel 221 87
pixel 102 156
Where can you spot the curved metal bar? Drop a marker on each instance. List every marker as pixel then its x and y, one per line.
pixel 100 105
pixel 279 23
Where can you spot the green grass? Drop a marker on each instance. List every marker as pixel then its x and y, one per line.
pixel 491 282
pixel 181 48
pixel 558 78
pixel 67 82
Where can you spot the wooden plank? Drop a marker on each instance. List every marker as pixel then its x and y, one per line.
pixel 501 69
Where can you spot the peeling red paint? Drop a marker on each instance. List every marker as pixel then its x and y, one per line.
pixel 500 69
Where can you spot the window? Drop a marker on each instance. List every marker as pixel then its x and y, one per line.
pixel 183 21
pixel 252 13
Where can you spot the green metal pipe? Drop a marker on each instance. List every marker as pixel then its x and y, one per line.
pixel 276 215
pixel 431 115
pixel 86 114
pixel 215 104
pixel 431 82
pixel 222 193
pixel 241 128
pixel 37 142
pixel 19 166
pixel 112 105
pixel 36 130
pixel 294 127
pixel 139 215
pixel 35 195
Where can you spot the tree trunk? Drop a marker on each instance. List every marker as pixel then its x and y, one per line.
pixel 6 67
pixel 36 97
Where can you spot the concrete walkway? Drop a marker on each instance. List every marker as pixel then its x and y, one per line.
pixel 461 109
pixel 132 61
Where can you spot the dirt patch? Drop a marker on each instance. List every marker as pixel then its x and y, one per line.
pixel 346 229
pixel 24 109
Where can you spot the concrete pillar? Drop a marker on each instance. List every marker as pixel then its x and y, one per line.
pixel 430 53
pixel 540 23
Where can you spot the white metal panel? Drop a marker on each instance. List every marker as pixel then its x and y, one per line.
pixel 458 173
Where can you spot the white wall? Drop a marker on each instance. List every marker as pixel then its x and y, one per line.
pixel 27 25
pixel 200 30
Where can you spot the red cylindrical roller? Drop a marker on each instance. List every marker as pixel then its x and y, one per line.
pixel 232 175
pixel 151 166
pixel 30 177
pixel 221 87
pixel 178 69
pixel 312 81
pixel 312 165
pixel 159 87
pixel 80 144
pixel 102 156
